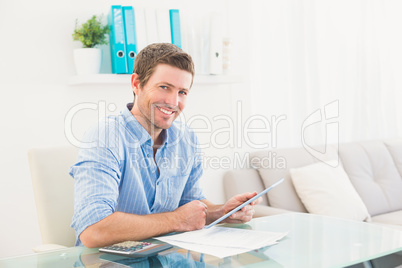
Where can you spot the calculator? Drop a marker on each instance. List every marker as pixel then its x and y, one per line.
pixel 135 249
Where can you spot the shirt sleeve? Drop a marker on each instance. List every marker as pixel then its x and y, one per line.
pixel 96 179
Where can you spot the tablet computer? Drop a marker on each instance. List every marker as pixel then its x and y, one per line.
pixel 244 204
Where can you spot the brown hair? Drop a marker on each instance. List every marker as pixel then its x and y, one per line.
pixel 161 53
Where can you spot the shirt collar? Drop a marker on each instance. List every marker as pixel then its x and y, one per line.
pixel 174 134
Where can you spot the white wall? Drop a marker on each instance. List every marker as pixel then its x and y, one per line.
pixel 35 66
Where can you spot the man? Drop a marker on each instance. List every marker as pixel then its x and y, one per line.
pixel 142 177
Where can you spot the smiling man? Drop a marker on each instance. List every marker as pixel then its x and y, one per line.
pixel 141 178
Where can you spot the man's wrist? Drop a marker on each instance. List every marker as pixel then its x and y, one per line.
pixel 173 224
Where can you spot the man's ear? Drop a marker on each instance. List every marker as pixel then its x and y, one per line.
pixel 135 83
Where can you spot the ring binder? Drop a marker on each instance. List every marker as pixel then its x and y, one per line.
pixel 117 40
pixel 131 37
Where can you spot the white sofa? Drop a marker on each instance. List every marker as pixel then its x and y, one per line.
pixel 373 167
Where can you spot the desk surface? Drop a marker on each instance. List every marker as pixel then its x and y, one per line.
pixel 313 241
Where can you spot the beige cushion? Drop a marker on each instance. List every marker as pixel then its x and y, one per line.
pixel 395 149
pixel 241 181
pixel 262 211
pixel 327 190
pixel 394 218
pixel 273 165
pixel 372 171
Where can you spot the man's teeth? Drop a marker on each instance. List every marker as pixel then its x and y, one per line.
pixel 165 111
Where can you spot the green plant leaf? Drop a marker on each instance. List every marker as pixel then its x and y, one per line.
pixel 91 33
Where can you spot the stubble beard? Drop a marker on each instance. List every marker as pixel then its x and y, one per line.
pixel 153 123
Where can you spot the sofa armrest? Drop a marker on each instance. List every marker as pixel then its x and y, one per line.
pixel 261 211
pixel 47 247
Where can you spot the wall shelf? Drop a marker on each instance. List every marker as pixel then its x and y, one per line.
pixel 124 79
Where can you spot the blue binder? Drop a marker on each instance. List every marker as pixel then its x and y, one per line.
pixel 175 27
pixel 117 40
pixel 131 37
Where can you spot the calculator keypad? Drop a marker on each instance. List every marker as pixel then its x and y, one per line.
pixel 135 248
pixel 130 246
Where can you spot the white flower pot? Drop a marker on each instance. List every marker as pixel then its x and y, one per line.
pixel 87 60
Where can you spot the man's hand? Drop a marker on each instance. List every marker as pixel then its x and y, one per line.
pixel 246 213
pixel 191 216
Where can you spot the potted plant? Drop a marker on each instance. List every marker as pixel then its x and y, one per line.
pixel 92 33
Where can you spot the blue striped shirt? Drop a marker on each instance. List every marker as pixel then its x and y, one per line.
pixel 116 171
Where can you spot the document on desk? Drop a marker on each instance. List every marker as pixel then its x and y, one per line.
pixel 222 241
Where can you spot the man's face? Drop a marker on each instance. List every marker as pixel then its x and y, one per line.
pixel 162 99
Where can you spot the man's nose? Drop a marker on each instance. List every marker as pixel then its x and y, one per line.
pixel 172 99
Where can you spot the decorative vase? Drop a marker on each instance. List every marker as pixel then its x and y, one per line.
pixel 87 60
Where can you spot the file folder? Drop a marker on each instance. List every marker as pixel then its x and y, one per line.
pixel 117 40
pixel 175 27
pixel 131 37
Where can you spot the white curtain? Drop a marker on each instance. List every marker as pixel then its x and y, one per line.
pixel 335 61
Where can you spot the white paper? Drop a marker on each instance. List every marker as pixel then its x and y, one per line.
pixel 221 241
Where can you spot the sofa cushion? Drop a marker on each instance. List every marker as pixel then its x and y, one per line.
pixel 325 189
pixel 373 174
pixel 394 218
pixel 241 181
pixel 395 149
pixel 273 165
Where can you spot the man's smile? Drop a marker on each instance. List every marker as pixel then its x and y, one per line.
pixel 165 110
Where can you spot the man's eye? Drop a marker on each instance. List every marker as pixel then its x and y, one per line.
pixel 164 87
pixel 183 92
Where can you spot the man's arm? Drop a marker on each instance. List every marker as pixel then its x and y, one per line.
pixel 121 226
pixel 241 216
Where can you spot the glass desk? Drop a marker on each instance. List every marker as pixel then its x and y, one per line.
pixel 313 241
